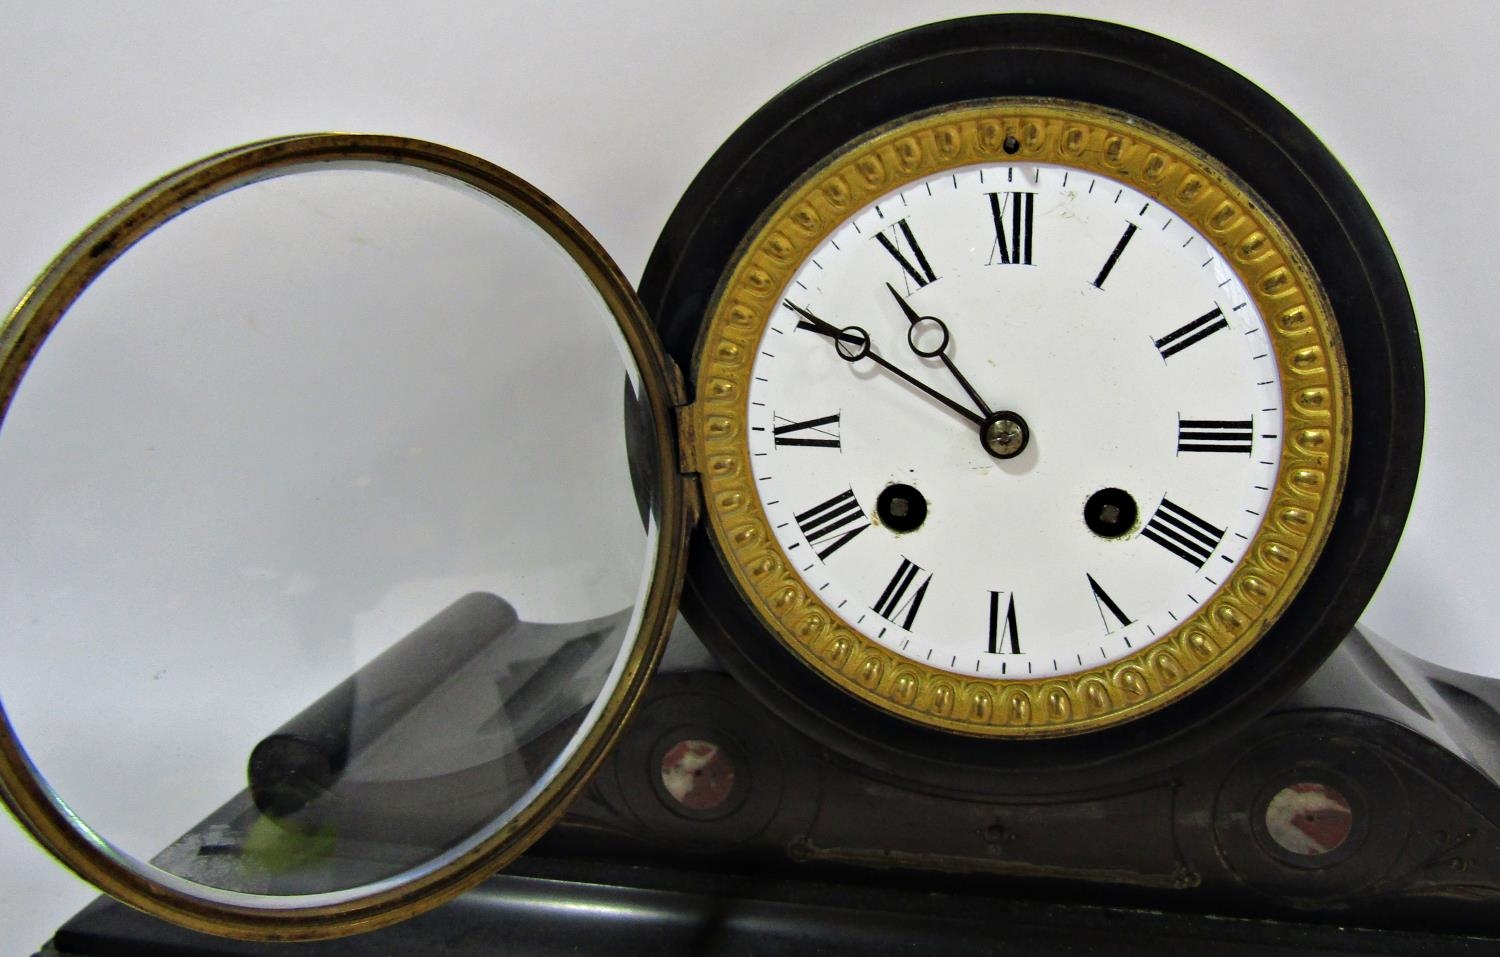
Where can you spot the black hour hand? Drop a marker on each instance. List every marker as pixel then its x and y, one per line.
pixel 922 327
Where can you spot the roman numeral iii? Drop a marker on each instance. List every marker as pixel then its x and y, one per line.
pixel 812 433
pixel 917 267
pixel 900 602
pixel 1182 533
pixel 1214 435
pixel 829 526
pixel 1012 246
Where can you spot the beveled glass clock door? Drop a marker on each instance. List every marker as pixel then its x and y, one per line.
pixel 342 527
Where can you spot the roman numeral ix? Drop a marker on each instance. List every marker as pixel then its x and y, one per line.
pixel 1013 249
pixel 1182 533
pixel 1214 435
pixel 811 433
pixel 921 273
pixel 894 601
pixel 830 525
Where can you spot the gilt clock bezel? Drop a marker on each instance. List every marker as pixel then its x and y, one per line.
pixel 1195 188
pixel 1217 112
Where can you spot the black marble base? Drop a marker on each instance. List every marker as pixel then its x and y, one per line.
pixel 556 907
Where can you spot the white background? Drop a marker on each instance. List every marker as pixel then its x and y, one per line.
pixel 612 109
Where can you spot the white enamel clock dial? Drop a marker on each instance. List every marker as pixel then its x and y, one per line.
pixel 1126 347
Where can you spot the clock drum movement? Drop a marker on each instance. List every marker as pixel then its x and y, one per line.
pixel 1027 403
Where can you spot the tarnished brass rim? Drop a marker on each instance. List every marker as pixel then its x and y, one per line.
pixel 1197 188
pixel 65 280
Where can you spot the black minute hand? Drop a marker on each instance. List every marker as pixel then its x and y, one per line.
pixel 853 344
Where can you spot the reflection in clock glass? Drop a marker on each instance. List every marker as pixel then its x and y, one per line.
pixel 1068 376
pixel 314 564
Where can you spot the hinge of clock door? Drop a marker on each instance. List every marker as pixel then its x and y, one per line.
pixel 687 443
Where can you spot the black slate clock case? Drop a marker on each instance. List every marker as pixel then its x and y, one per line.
pixel 1208 105
pixel 846 831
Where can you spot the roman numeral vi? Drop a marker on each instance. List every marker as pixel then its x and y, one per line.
pixel 1005 636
